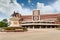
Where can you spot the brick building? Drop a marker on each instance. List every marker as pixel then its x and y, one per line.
pixel 35 20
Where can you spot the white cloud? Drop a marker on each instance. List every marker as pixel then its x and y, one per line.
pixel 29 1
pixel 54 8
pixel 4 5
pixel 56 5
pixel 39 5
pixel 45 9
pixel 26 11
pixel 22 4
pixel 7 8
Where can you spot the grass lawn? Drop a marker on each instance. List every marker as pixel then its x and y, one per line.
pixel 58 28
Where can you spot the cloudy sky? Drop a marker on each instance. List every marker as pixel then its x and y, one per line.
pixel 25 7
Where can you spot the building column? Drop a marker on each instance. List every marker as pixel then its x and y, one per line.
pixel 25 26
pixel 32 18
pixel 50 26
pixel 40 26
pixel 46 26
pixel 39 17
pixel 55 26
pixel 28 26
pixel 33 26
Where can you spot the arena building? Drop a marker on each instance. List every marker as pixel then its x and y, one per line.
pixel 35 20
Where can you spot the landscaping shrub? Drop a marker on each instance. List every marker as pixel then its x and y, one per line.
pixel 15 29
pixel 58 28
pixel 9 28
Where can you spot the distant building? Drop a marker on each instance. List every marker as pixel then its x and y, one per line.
pixel 35 20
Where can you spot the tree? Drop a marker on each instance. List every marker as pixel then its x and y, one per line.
pixel 5 20
pixel 4 23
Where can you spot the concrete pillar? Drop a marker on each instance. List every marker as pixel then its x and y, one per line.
pixel 25 26
pixel 33 26
pixel 46 26
pixel 50 26
pixel 39 17
pixel 55 26
pixel 40 26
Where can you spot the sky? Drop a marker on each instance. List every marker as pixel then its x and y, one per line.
pixel 25 7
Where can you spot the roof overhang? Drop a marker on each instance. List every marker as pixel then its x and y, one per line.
pixel 39 24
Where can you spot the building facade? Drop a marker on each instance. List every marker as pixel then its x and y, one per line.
pixel 35 20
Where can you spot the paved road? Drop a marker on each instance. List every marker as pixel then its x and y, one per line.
pixel 35 34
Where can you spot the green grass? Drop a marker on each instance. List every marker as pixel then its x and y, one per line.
pixel 58 28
